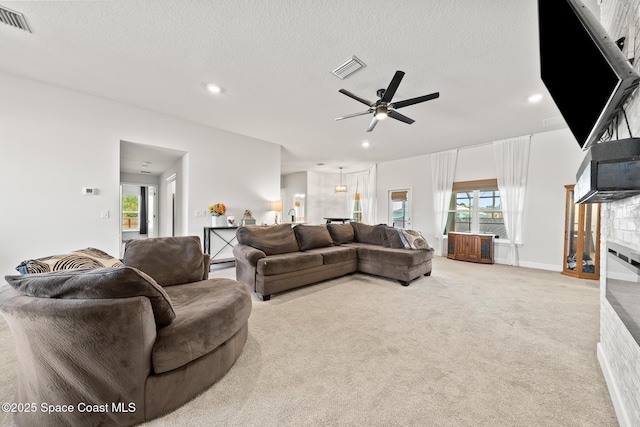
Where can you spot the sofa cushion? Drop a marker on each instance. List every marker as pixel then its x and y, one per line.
pixel 208 313
pixel 99 283
pixel 365 233
pixel 169 260
pixel 336 254
pixel 80 259
pixel 400 257
pixel 312 236
pixel 286 263
pixel 341 233
pixel 413 239
pixel 393 237
pixel 272 240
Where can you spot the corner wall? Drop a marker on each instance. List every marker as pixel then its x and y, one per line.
pixel 55 141
pixel 554 159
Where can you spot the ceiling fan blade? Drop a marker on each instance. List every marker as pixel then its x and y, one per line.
pixel 373 124
pixel 417 100
pixel 356 97
pixel 348 116
pixel 393 86
pixel 400 117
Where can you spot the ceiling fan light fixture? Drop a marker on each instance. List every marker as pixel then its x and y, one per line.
pixel 381 112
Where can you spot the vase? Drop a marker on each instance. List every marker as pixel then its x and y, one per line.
pixel 218 221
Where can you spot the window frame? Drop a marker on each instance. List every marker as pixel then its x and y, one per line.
pixel 474 187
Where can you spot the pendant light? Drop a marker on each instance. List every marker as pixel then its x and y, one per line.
pixel 341 188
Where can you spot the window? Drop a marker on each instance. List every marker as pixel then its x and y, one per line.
pixel 130 212
pixel 476 208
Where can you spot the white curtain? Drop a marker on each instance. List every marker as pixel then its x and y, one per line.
pixel 365 183
pixel 512 165
pixel 443 169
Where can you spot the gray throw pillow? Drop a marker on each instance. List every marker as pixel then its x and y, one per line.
pixel 99 283
pixel 364 233
pixel 341 233
pixel 312 236
pixel 272 240
pixel 393 237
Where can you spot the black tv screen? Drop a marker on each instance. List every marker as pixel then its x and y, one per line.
pixel 583 69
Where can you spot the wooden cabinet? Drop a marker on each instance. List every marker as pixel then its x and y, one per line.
pixel 581 238
pixel 471 247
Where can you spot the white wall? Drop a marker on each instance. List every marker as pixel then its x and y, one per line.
pixel 413 173
pixel 292 184
pixel 55 141
pixel 322 200
pixel 554 160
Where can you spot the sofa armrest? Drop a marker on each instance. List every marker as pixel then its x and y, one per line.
pixel 248 254
pixel 246 261
pixel 207 266
pixel 97 351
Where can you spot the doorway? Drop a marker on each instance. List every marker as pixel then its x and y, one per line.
pixel 400 208
pixel 151 187
pixel 138 211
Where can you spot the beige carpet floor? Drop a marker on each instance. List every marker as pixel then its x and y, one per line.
pixel 472 345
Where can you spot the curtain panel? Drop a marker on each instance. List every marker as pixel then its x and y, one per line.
pixel 443 169
pixel 362 206
pixel 512 166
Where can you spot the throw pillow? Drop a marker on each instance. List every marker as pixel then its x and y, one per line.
pixel 312 236
pixel 413 239
pixel 272 240
pixel 98 283
pixel 364 233
pixel 393 237
pixel 80 259
pixel 341 233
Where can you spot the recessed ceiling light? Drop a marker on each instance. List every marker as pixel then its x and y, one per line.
pixel 213 88
pixel 535 98
pixel 366 144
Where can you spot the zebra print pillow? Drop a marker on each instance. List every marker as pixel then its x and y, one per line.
pixel 88 258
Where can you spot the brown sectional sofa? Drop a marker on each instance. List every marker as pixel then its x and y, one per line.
pixel 136 341
pixel 272 259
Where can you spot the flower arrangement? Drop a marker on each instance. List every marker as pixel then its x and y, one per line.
pixel 217 209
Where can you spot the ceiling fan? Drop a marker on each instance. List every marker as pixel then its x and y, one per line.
pixel 383 107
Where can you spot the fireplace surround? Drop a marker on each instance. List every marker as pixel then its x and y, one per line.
pixel 623 285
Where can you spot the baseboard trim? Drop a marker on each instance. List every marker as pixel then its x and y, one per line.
pixel 540 266
pixel 618 405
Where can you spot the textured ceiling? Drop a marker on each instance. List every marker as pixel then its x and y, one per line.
pixel 273 60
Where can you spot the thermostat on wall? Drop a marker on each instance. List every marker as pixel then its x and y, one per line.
pixel 89 191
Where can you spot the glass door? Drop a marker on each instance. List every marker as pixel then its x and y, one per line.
pixel 399 208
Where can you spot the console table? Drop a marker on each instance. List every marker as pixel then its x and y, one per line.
pixel 342 220
pixel 223 238
pixel 470 247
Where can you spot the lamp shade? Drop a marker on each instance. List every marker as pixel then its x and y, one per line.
pixel 276 205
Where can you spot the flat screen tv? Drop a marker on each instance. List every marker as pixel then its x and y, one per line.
pixel 585 72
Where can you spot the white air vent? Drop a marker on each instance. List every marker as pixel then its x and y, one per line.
pixel 13 18
pixel 348 67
